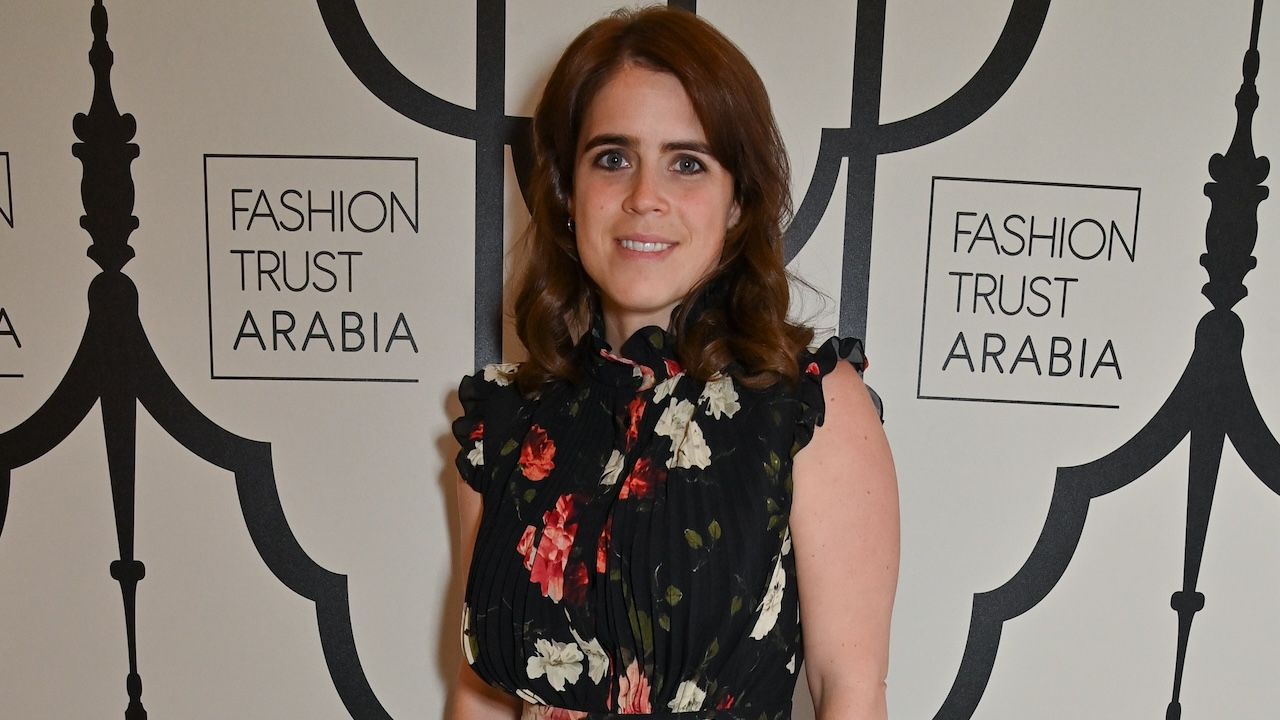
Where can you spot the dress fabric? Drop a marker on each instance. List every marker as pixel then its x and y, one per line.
pixel 634 554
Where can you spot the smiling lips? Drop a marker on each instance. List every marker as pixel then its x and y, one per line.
pixel 644 245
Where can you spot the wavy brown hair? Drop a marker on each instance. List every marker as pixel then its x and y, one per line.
pixel 742 326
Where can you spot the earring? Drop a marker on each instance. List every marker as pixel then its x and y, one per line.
pixel 569 224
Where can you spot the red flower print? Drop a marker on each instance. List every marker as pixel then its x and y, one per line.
pixel 813 369
pixel 633 692
pixel 547 564
pixel 673 367
pixel 477 432
pixel 635 411
pixel 642 480
pixel 645 373
pixel 537 455
pixel 602 546
pixel 575 583
pixel 726 703
pixel 525 547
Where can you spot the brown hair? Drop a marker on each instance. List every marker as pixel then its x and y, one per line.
pixel 744 320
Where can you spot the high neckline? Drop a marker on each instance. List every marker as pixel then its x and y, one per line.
pixel 648 356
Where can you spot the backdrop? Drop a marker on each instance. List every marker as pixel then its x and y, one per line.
pixel 232 413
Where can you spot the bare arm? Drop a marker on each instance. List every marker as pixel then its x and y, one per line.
pixel 473 699
pixel 844 525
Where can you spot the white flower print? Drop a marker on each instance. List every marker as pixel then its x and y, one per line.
pixel 693 450
pixel 597 660
pixel 772 603
pixel 665 388
pixel 688 447
pixel 688 697
pixel 529 697
pixel 720 398
pixel 612 469
pixel 500 373
pixel 476 455
pixel 791 665
pixel 674 419
pixel 558 661
pixel 467 648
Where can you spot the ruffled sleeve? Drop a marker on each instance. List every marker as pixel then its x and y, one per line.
pixel 490 401
pixel 816 365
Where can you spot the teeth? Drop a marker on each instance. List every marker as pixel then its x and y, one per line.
pixel 647 247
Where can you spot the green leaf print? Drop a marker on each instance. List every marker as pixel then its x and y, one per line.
pixel 509 447
pixel 693 538
pixel 673 595
pixel 712 650
pixel 714 530
pixel 642 628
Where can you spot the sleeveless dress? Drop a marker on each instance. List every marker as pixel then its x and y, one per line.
pixel 634 555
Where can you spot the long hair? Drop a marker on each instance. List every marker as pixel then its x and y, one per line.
pixel 741 326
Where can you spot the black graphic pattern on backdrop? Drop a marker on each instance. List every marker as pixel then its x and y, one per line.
pixel 1211 402
pixel 116 366
pixel 860 144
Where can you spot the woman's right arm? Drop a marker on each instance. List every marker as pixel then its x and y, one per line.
pixel 473 699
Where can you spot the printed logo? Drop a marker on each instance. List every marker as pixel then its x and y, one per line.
pixel 312 262
pixel 6 192
pixel 1022 285
pixel 10 343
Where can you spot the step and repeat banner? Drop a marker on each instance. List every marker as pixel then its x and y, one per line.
pixel 247 250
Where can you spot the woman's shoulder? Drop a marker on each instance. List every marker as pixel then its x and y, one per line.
pixel 835 365
pixel 491 404
pixel 493 383
pixel 821 359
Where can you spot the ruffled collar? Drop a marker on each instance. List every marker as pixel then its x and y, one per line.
pixel 647 357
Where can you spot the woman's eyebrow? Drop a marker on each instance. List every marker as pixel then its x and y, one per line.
pixel 688 146
pixel 619 140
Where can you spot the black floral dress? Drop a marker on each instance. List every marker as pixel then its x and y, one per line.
pixel 634 555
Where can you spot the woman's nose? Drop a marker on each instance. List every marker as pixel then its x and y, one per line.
pixel 646 194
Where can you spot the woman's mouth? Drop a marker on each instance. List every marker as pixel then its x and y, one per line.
pixel 644 245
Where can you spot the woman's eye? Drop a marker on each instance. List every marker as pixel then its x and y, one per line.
pixel 611 160
pixel 688 166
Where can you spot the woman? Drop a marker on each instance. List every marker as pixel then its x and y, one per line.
pixel 650 514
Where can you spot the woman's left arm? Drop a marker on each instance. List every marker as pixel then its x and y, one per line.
pixel 844 528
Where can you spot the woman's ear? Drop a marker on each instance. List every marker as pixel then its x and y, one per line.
pixel 735 214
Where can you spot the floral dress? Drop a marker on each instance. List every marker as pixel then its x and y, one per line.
pixel 634 555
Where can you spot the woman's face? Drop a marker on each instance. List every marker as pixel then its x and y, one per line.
pixel 650 203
